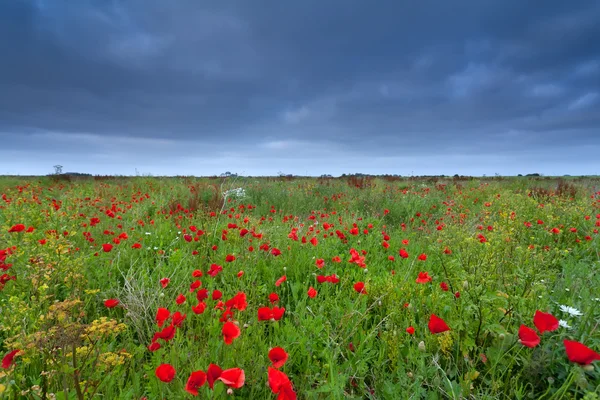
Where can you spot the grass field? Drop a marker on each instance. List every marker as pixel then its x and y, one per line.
pixel 353 288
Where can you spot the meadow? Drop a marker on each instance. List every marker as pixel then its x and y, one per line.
pixel 256 288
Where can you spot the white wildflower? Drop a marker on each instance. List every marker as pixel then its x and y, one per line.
pixel 564 324
pixel 571 311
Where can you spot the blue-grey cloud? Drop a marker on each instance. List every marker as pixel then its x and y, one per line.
pixel 301 87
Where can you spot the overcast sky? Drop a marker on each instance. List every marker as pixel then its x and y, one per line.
pixel 312 87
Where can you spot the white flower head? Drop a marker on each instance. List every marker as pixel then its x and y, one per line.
pixel 571 311
pixel 564 324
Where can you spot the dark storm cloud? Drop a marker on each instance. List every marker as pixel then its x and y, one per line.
pixel 199 86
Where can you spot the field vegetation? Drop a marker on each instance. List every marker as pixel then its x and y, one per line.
pixel 284 288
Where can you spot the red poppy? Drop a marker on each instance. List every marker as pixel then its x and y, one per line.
pixel 178 319
pixel 180 299
pixel 214 270
pixel 410 330
pixel 264 313
pixel 580 353
pixel 276 252
pixel 154 346
pixel 165 372
pixel 423 277
pixel 437 325
pixel 164 282
pixel 107 247
pixel 320 263
pixel 195 285
pixel 528 336
pixel 166 334
pixel 110 303
pixel 280 280
pixel 202 294
pixel 278 356
pixel 403 253
pixel 360 287
pixel 212 374
pixel 229 258
pixel 444 286
pixel 7 361
pixel 238 301
pixel 196 380
pixel 273 298
pixel 197 273
pixel 230 331
pixel 312 293
pixel 280 384
pixel 216 294
pixel 233 377
pixel 162 314
pixel 545 322
pixel 278 313
pixel 17 228
pixel 199 309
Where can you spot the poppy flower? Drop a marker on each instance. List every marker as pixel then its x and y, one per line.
pixel 216 294
pixel 199 309
pixel 280 384
pixel 178 319
pixel 165 372
pixel 229 258
pixel 214 270
pixel 17 228
pixel 312 293
pixel 154 346
pixel 180 299
pixel 403 253
pixel 528 337
pixel 230 332
pixel 7 361
pixel 202 294
pixel 264 313
pixel 437 325
pixel 107 247
pixel 233 377
pixel 197 273
pixel 545 322
pixel 279 281
pixel 162 314
pixel 273 298
pixel 278 356
pixel 275 251
pixel 278 312
pixel 360 287
pixel 195 285
pixel 238 301
pixel 164 282
pixel 320 263
pixel 166 334
pixel 444 286
pixel 579 353
pixel 110 303
pixel 196 380
pixel 212 374
pixel 424 277
pixel 410 330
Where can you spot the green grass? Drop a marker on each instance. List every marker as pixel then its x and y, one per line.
pixel 341 344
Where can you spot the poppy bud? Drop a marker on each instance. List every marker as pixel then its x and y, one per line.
pixel 422 346
pixel 465 285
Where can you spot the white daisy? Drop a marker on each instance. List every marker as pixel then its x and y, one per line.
pixel 564 324
pixel 571 311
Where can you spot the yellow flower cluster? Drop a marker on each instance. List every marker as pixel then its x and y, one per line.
pixel 102 327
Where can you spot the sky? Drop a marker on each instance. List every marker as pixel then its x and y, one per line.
pixel 188 87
